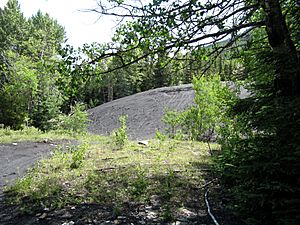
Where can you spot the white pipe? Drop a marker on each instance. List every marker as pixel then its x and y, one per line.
pixel 208 209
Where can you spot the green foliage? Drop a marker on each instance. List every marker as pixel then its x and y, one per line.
pixel 259 164
pixel 173 120
pixel 76 121
pixel 17 94
pixel 120 135
pixel 159 136
pixel 28 49
pixel 48 100
pixel 99 82
pixel 7 135
pixel 260 167
pixel 14 29
pixel 139 186
pixel 209 114
pixel 79 83
pixel 46 37
pixel 78 155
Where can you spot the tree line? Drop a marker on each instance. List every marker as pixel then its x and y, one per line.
pixel 42 77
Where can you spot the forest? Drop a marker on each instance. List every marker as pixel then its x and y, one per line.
pixel 49 85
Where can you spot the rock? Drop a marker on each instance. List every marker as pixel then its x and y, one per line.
pixel 66 215
pixel 188 214
pixel 179 223
pixel 148 207
pixel 151 215
pixel 106 222
pixel 144 111
pixel 121 217
pixel 69 223
pixel 43 216
pixel 145 142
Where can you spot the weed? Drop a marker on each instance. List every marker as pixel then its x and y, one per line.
pixel 120 135
pixel 78 155
pixel 139 184
pixel 117 209
pixel 114 178
pixel 167 213
pixel 76 121
pixel 161 137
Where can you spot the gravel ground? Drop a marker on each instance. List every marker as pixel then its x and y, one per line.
pixel 16 158
pixel 144 111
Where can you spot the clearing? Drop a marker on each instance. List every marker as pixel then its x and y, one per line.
pixel 92 181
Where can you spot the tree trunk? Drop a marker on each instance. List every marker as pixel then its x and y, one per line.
pixel 287 81
pixel 110 93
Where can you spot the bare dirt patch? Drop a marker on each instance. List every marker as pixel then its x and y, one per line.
pixel 16 158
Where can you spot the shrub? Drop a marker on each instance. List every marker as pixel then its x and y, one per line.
pixel 76 121
pixel 209 114
pixel 120 135
pixel 259 164
pixel 78 155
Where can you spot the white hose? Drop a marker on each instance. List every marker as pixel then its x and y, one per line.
pixel 208 209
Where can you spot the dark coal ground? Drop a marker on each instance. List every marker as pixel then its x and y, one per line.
pixel 144 111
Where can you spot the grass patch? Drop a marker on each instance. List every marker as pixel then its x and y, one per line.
pixel 32 134
pixel 168 173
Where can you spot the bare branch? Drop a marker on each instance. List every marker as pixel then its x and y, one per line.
pixel 187 24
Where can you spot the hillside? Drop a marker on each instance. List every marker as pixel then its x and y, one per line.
pixel 144 111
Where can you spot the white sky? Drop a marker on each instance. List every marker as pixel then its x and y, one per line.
pixel 81 27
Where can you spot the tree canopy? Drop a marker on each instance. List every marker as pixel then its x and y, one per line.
pixel 172 26
pixel 28 50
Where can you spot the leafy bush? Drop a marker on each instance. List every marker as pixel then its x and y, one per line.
pixel 212 100
pixel 76 121
pixel 173 121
